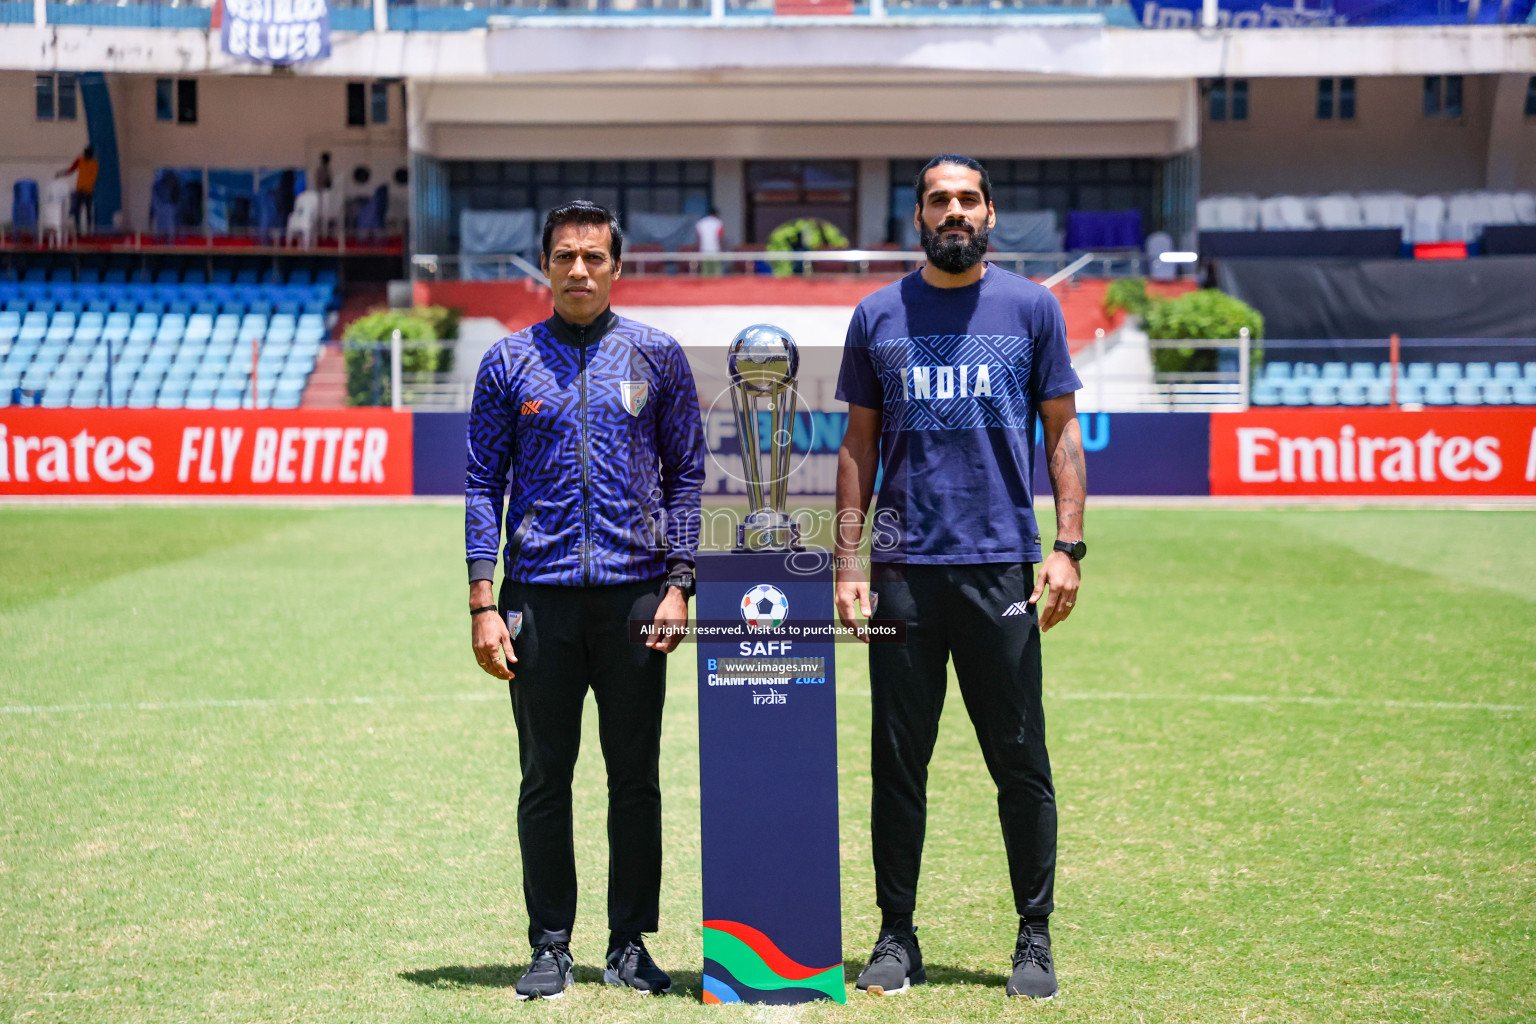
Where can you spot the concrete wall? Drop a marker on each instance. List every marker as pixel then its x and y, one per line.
pixel 1390 145
pixel 242 122
pixel 30 148
pixel 252 123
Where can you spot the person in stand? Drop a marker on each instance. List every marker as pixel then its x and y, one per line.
pixel 946 373
pixel 594 420
pixel 322 186
pixel 710 230
pixel 82 199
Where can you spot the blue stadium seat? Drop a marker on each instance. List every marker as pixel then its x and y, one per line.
pixel 1438 392
pixel 168 275
pixel 1264 392
pixel 1272 370
pixel 115 275
pixel 1421 371
pixel 1506 371
pixel 1351 392
pixel 222 275
pixel 1523 392
pixel 1467 392
pixel 1478 371
pixel 1496 392
pixel 1304 371
pixel 1448 372
pixel 247 275
pixel 1530 371
pixel 1362 372
pixel 1296 393
pixel 1335 371
pixel 90 275
pixel 194 276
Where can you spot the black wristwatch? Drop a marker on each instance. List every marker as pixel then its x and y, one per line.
pixel 683 582
pixel 1076 550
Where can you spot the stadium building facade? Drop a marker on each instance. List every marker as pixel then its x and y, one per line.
pixel 771 116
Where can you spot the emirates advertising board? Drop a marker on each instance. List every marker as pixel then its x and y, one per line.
pixel 1434 453
pixel 125 453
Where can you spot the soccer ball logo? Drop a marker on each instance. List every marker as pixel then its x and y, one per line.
pixel 765 607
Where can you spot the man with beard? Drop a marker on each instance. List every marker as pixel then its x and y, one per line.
pixel 945 373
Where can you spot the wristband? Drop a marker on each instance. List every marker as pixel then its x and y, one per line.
pixel 476 611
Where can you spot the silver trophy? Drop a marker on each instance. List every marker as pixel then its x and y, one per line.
pixel 763 361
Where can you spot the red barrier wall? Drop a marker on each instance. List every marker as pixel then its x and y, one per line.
pixel 124 452
pixel 1439 452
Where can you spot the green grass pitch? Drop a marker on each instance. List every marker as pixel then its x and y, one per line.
pixel 250 773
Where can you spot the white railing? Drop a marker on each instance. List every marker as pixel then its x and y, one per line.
pixel 1119 375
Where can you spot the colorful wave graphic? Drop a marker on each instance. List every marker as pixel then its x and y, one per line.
pixel 755 962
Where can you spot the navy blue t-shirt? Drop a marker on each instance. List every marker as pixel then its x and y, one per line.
pixel 957 375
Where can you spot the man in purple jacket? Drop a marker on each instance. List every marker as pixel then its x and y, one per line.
pixel 594 422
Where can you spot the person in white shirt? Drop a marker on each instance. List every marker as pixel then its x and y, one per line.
pixel 711 232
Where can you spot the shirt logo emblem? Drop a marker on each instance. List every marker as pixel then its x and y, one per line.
pixel 529 408
pixel 633 393
pixel 514 623
pixel 1018 608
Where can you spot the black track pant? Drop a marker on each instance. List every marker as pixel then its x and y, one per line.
pixel 971 613
pixel 573 639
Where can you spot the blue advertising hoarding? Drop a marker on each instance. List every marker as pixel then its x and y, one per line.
pixel 1127 453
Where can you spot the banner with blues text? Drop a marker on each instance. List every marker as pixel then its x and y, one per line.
pixel 1332 13
pixel 277 31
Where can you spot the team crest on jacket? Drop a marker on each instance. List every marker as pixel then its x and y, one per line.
pixel 634 394
pixel 514 623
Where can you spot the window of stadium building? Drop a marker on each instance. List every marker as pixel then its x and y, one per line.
pixel 1530 97
pixel 176 100
pixel 784 190
pixel 1059 186
pixel 1227 99
pixel 56 97
pixel 629 187
pixel 1335 99
pixel 1442 97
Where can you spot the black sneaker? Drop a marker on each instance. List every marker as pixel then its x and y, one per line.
pixel 631 965
pixel 895 965
pixel 1034 976
pixel 549 975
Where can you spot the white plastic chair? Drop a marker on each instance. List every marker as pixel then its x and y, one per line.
pixel 1339 211
pixel 1239 213
pixel 1285 213
pixel 1208 213
pixel 304 218
pixel 1159 242
pixel 1525 207
pixel 1501 208
pixel 1428 219
pixel 1387 210
pixel 53 217
pixel 1466 214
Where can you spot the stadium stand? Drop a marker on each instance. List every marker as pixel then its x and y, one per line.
pixel 1335 383
pixel 176 343
pixel 1458 217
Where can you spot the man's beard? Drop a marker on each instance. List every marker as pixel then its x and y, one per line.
pixel 950 256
